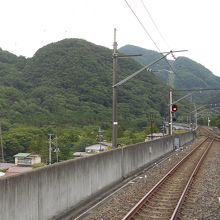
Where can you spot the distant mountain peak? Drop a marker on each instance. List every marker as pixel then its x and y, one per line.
pixel 189 73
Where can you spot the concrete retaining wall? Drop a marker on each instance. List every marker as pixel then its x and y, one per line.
pixel 138 155
pixel 186 138
pixel 46 192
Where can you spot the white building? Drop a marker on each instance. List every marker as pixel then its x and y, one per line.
pixel 80 154
pixel 154 136
pixel 26 159
pixel 95 148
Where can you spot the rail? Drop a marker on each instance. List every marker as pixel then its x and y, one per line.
pixel 181 200
pixel 133 212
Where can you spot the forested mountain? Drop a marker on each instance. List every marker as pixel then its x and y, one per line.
pixel 188 73
pixel 66 88
pixel 72 81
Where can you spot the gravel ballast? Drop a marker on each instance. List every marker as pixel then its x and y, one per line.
pixel 120 203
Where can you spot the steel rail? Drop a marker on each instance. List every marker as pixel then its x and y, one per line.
pixel 182 197
pixel 137 207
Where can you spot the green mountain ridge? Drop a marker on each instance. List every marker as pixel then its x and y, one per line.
pixel 66 88
pixel 76 76
pixel 72 77
pixel 188 74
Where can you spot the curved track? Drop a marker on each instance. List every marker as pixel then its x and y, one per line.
pixel 164 200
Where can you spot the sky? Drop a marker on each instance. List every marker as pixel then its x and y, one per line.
pixel 27 25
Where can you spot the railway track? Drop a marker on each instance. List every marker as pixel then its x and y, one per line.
pixel 165 199
pixel 197 202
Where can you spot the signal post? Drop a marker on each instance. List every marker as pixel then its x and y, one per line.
pixel 170 112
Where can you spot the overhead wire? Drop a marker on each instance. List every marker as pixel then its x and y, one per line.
pixel 154 23
pixel 142 25
pixel 160 33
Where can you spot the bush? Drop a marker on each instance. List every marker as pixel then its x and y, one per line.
pixel 38 165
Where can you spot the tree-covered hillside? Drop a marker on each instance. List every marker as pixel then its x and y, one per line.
pixel 66 88
pixel 72 81
pixel 188 73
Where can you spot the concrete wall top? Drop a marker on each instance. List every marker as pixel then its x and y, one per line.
pixel 48 191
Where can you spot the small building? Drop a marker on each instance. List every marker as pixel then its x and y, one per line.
pixel 26 159
pixel 154 136
pixel 80 154
pixel 95 148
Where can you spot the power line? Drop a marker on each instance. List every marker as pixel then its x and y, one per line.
pixel 154 23
pixel 148 34
pixel 142 25
pixel 146 67
pixel 161 35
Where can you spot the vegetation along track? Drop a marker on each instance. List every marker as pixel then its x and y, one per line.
pixel 164 200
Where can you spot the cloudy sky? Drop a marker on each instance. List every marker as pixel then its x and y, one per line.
pixel 27 25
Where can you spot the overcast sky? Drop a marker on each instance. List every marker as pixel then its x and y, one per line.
pixel 27 25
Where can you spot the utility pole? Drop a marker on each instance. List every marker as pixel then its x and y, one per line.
pixel 115 57
pixel 100 138
pixel 114 95
pixel 2 148
pixel 116 84
pixel 57 150
pixel 170 112
pixel 191 115
pixel 50 147
pixel 151 119
pixel 171 104
pixel 196 123
pixel 151 129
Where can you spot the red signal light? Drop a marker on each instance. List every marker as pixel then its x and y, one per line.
pixel 174 108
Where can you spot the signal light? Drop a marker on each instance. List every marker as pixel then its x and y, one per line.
pixel 174 108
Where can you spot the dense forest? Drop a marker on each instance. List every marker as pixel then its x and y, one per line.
pixel 188 74
pixel 66 89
